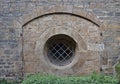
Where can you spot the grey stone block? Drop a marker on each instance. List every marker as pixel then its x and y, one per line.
pixel 108 39
pixel 7 67
pixel 117 14
pixel 2 63
pixel 2 71
pixel 110 13
pixel 13 41
pixel 3 41
pixel 1 60
pixel 8 52
pixel 9 63
pixel 13 45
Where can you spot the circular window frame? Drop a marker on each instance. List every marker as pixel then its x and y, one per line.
pixel 40 48
pixel 62 38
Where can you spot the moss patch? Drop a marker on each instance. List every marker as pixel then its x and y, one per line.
pixel 117 68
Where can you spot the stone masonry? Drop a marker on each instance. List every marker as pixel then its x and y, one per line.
pixel 26 25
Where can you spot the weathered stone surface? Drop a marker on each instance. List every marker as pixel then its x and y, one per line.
pixel 24 22
pixel 50 25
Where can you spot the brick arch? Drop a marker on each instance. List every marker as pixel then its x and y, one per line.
pixel 55 9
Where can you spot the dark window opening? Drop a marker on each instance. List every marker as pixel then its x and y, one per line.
pixel 60 49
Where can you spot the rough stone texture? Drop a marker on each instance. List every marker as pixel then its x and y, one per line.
pixel 99 19
pixel 37 32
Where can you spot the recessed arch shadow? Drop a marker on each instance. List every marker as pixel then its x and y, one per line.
pixel 61 13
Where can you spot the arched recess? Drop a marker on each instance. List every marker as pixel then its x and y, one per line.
pixel 55 9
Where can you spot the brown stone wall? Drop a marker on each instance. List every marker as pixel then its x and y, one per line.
pixel 85 33
pixel 15 15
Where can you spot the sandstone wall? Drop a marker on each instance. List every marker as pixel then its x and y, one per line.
pixel 15 14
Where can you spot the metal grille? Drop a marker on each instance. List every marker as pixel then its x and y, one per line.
pixel 60 53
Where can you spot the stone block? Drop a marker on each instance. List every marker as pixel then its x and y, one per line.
pixel 108 39
pixel 117 14
pixel 31 67
pixel 2 63
pixel 6 67
pixel 2 71
pixel 1 66
pixel 8 52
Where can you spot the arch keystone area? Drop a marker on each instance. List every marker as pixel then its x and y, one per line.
pixel 70 9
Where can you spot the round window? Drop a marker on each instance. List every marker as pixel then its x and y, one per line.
pixel 60 49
